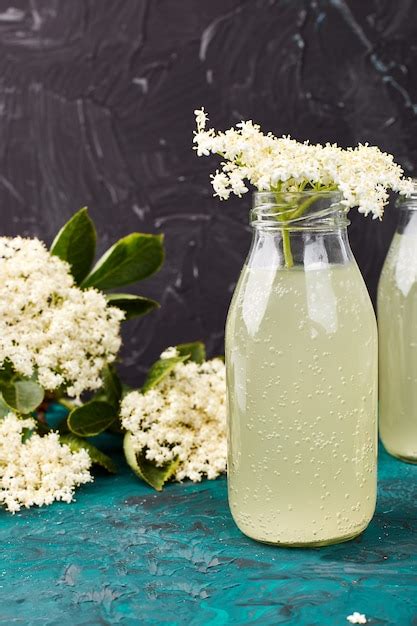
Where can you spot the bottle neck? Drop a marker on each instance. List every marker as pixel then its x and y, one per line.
pixel 299 229
pixel 310 249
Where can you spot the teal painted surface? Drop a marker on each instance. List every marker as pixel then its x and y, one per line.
pixel 123 554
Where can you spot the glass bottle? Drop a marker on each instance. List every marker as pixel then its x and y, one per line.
pixel 397 322
pixel 301 359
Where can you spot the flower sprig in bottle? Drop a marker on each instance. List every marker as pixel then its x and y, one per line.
pixel 363 175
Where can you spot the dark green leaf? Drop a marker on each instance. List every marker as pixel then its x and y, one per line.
pixel 6 371
pixel 96 456
pixel 148 471
pixel 91 418
pixel 26 434
pixel 132 305
pixel 76 244
pixel 117 428
pixel 160 369
pixel 42 428
pixel 132 258
pixel 195 350
pixel 4 408
pixel 126 389
pixel 23 396
pixel 111 385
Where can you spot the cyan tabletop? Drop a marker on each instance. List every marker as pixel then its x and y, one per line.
pixel 124 554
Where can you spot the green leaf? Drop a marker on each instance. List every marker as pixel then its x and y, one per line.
pixel 160 369
pixel 112 386
pixel 42 428
pixel 116 428
pixel 62 426
pixel 23 396
pixel 6 371
pixel 126 389
pixel 96 456
pixel 91 418
pixel 195 350
pixel 155 476
pixel 132 258
pixel 132 305
pixel 4 408
pixel 76 244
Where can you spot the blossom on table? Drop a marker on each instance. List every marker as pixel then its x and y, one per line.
pixel 37 470
pixel 357 618
pixel 183 417
pixel 363 175
pixel 48 325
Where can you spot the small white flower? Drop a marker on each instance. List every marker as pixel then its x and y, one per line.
pixel 201 119
pixel 357 618
pixel 237 184
pixel 169 353
pixel 183 417
pixel 221 185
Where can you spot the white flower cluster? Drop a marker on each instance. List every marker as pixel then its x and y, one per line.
pixel 39 470
pixel 357 618
pixel 48 324
pixel 363 174
pixel 183 417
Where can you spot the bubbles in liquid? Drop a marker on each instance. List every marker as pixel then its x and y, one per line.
pixel 310 393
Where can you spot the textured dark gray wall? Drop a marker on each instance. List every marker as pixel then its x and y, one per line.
pixel 96 108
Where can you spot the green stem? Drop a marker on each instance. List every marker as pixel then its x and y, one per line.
pixel 286 236
pixel 299 211
pixel 295 214
pixel 66 403
pixel 286 242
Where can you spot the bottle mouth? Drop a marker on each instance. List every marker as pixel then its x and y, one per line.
pixel 318 210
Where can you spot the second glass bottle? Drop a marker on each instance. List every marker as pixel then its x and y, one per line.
pixel 397 323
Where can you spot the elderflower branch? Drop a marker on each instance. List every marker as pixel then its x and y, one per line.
pixel 363 174
pixel 49 327
pixel 182 418
pixel 59 337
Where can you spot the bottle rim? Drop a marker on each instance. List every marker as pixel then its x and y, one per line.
pixel 299 210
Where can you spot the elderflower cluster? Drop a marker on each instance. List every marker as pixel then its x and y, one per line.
pixel 363 175
pixel 184 418
pixel 37 470
pixel 50 326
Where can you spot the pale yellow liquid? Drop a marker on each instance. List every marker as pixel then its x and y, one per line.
pixel 397 320
pixel 301 355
